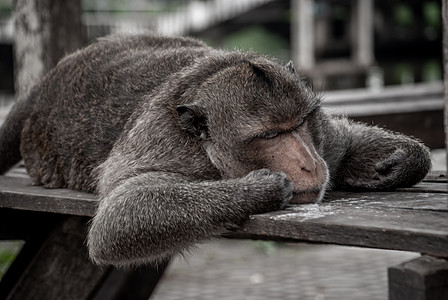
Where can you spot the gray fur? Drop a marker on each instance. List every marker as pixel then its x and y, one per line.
pixel 159 128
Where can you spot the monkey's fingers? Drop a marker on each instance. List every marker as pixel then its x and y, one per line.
pixel 287 187
pixel 363 183
pixel 272 189
pixel 386 166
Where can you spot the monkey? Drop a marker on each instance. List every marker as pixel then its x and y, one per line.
pixel 181 142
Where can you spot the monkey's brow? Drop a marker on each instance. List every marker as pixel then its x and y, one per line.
pixel 263 130
pixel 269 133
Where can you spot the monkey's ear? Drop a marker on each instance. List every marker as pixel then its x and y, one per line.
pixel 193 120
pixel 260 73
pixel 290 67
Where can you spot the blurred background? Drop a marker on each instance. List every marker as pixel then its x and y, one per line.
pixel 375 61
pixel 377 43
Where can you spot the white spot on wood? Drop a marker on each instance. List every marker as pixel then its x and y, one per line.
pixel 304 212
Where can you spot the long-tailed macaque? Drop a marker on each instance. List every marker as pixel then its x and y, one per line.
pixel 180 141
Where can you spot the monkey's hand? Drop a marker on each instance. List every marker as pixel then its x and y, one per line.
pixel 362 157
pixel 404 167
pixel 266 191
pixel 262 191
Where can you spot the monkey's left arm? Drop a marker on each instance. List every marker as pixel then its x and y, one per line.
pixel 371 158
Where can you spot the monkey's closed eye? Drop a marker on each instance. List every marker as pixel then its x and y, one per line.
pixel 268 135
pixel 273 134
pixel 300 123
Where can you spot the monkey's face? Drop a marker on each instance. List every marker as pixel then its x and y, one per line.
pixel 292 151
pixel 289 149
pixel 253 117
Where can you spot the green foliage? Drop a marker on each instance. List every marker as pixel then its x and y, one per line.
pixel 5 5
pixel 403 73
pixel 266 247
pixel 431 14
pixel 8 252
pixel 403 14
pixel 258 39
pixel 340 12
pixel 432 70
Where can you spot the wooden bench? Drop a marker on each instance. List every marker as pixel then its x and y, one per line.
pixel 53 264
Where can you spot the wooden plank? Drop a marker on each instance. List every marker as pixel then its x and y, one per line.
pixel 34 232
pixel 18 171
pixel 397 94
pixel 18 193
pixel 18 267
pixel 40 232
pixel 423 278
pixel 61 269
pixel 137 283
pixel 413 221
pixel 427 187
pixel 436 176
pixel 383 200
pixel 390 100
pixel 384 228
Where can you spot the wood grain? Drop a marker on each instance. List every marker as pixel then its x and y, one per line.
pixel 18 193
pixel 413 219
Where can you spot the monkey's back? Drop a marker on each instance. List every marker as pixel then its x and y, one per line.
pixel 82 105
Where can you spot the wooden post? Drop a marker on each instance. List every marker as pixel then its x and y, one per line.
pixel 424 278
pixel 445 55
pixel 362 32
pixel 61 269
pixel 302 33
pixel 55 265
pixel 45 30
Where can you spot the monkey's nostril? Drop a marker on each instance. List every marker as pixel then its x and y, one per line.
pixel 306 170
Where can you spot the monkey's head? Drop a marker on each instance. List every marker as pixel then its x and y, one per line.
pixel 256 114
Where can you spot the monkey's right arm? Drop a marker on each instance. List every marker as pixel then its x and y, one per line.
pixel 362 157
pixel 152 216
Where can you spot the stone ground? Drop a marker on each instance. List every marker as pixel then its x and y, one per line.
pixel 256 270
pixel 233 269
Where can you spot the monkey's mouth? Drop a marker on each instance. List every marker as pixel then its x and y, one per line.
pixel 308 196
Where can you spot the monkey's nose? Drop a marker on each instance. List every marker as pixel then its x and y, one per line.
pixel 308 166
pixel 304 169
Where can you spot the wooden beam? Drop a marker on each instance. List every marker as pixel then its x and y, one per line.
pixel 19 193
pixel 53 263
pixel 45 30
pixel 137 283
pixel 61 269
pixel 445 55
pixel 362 32
pixel 423 278
pixel 302 33
pixel 377 220
pixel 390 100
